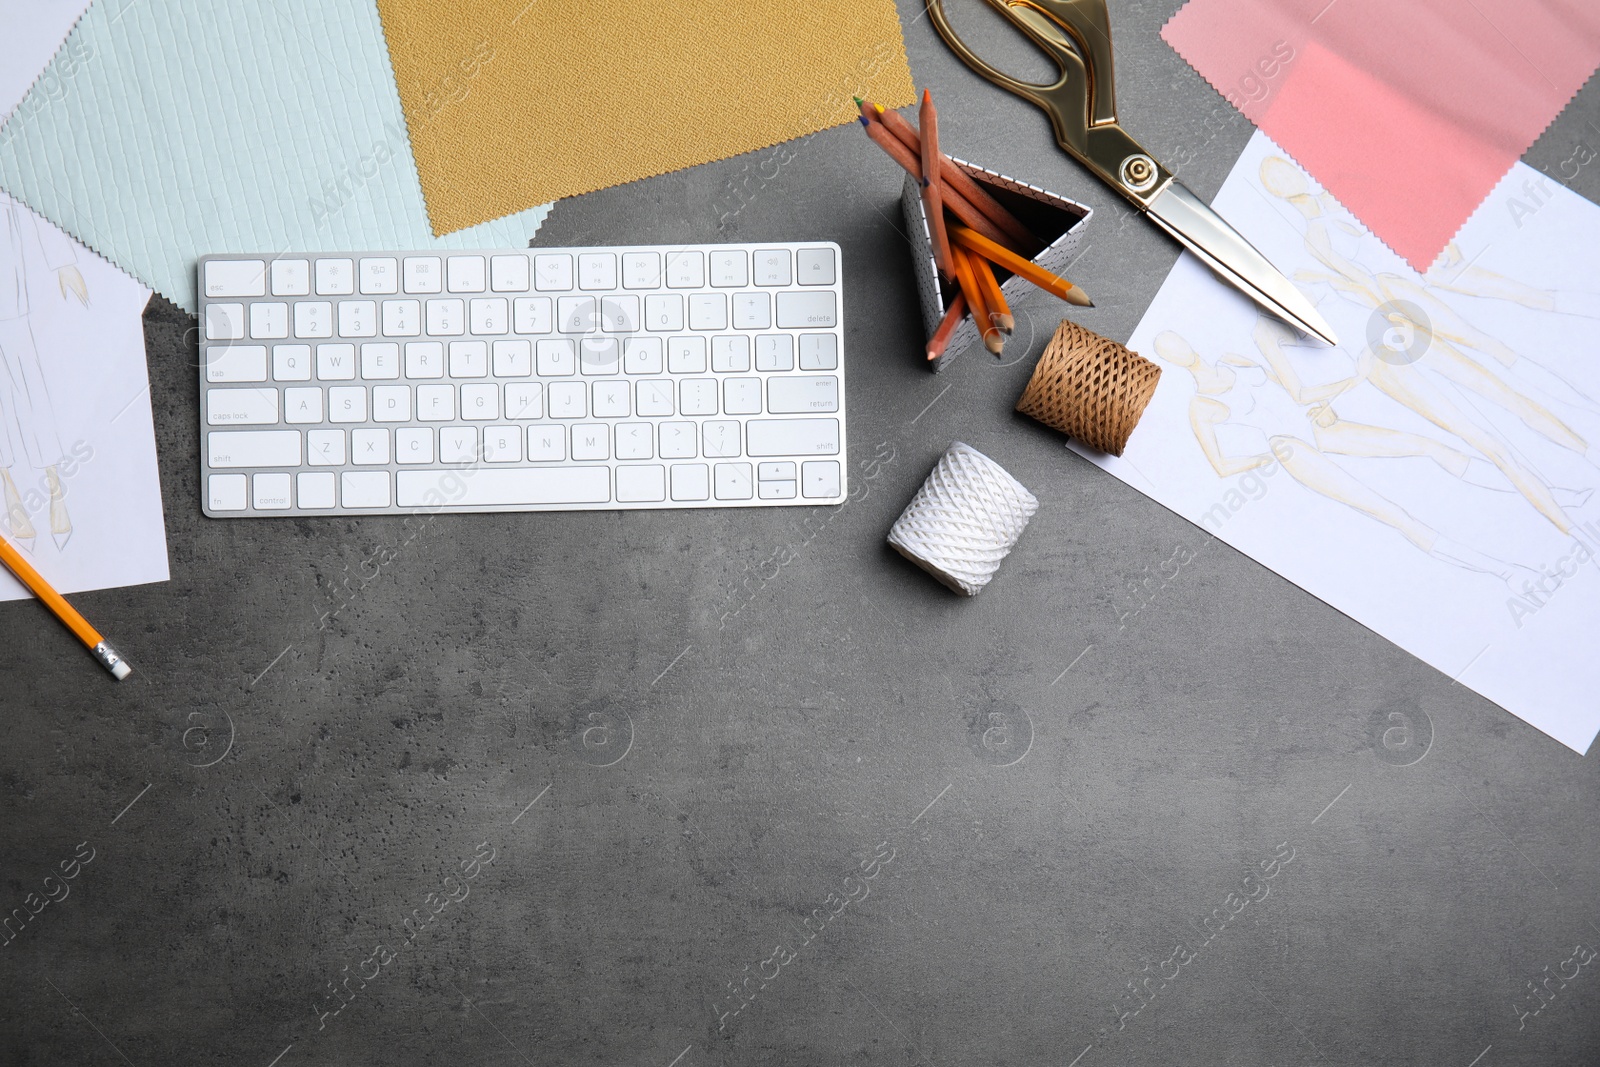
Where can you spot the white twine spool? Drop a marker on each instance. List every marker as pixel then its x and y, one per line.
pixel 964 520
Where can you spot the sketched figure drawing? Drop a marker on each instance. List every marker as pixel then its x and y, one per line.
pixel 30 434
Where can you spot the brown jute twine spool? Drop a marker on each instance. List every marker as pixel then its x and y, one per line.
pixel 1090 388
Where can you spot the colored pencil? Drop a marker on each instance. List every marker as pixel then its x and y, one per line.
pixel 993 298
pixel 993 339
pixel 956 178
pixel 65 612
pixel 932 184
pixel 1004 257
pixel 913 166
pixel 947 326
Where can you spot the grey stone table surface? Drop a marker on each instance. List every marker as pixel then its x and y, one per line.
pixel 734 787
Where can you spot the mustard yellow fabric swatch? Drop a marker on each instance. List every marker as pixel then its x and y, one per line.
pixel 512 103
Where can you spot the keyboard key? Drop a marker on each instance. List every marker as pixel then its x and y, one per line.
pixel 302 406
pixel 567 400
pixel 653 397
pixel 730 268
pixel 619 314
pixel 577 314
pixel 610 400
pixel 425 359
pixel 480 403
pixel 552 272
pixel 335 277
pixel 253 448
pixel 591 440
pixel 227 492
pixel 505 487
pixel 336 362
pixel 663 311
pixel 686 355
pixel 424 274
pixel 524 400
pixel 708 311
pixel 599 355
pixel 642 355
pixel 271 491
pixel 236 277
pixel 636 440
pixel 236 363
pixel 291 363
pixel 436 403
pixel 312 318
pixel 402 318
pixel 447 318
pixel 369 447
pixel 391 403
pixel 489 315
pixel 820 479
pixel 380 361
pixel 775 490
pixel 513 359
pixel 752 311
pixel 742 396
pixel 719 438
pixel 819 351
pixel 800 394
pixel 364 489
pixel 772 266
pixel 502 444
pixel 641 270
pixel 691 481
pixel 508 274
pixel 697 396
pixel 242 407
pixel 597 270
pixel 679 440
pixel 793 437
pixel 413 444
pixel 224 322
pixel 269 321
pixel 645 482
pixel 816 266
pixel 316 489
pixel 547 443
pixel 379 277
pixel 775 352
pixel 464 274
pixel 730 354
pixel 291 277
pixel 469 359
pixel 686 270
pixel 458 444
pixel 781 471
pixel 556 358
pixel 530 314
pixel 733 481
pixel 802 310
pixel 347 404
pixel 358 318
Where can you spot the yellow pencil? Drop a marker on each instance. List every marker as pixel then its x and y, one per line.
pixel 65 612
pixel 1004 257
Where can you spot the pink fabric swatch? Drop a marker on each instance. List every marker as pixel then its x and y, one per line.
pixel 1408 111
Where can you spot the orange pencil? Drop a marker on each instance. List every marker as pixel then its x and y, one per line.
pixel 947 326
pixel 65 612
pixel 956 178
pixel 999 310
pixel 932 185
pixel 953 200
pixel 1004 257
pixel 993 339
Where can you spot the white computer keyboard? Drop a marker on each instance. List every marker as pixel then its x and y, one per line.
pixel 522 380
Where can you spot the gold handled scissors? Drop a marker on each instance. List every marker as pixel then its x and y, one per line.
pixel 1082 106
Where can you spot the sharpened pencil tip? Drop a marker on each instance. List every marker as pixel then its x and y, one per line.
pixel 857 99
pixel 1077 296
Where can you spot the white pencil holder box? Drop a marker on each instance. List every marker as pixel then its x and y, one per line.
pixel 1051 217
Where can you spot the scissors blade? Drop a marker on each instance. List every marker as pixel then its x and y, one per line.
pixel 1203 232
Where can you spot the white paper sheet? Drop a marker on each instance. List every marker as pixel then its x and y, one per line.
pixel 34 30
pixel 1436 477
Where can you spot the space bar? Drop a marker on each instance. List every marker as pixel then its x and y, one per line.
pixel 505 487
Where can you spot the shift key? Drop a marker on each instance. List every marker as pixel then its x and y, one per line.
pixel 792 437
pixel 253 448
